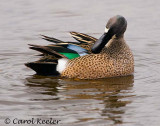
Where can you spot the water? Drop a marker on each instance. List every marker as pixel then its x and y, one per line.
pixel 125 101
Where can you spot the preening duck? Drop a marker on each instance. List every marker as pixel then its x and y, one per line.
pixel 89 58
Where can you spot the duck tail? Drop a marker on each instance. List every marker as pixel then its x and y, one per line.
pixel 47 64
pixel 43 68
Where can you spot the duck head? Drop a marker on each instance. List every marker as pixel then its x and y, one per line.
pixel 116 26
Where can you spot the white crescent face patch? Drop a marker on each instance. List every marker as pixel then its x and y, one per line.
pixel 106 30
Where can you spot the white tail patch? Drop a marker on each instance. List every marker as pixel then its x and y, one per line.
pixel 62 64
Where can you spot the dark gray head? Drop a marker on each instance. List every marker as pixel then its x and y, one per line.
pixel 116 26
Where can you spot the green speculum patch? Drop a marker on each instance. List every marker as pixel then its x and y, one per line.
pixel 70 55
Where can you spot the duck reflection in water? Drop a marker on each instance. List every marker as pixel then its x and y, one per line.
pixel 112 93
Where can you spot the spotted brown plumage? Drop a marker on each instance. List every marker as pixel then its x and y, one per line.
pixel 114 60
pixel 90 58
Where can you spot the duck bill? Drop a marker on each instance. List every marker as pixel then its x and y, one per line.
pixel 100 43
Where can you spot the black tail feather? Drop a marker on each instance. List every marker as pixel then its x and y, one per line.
pixel 43 68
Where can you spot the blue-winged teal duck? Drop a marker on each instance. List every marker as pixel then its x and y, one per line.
pixel 89 58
